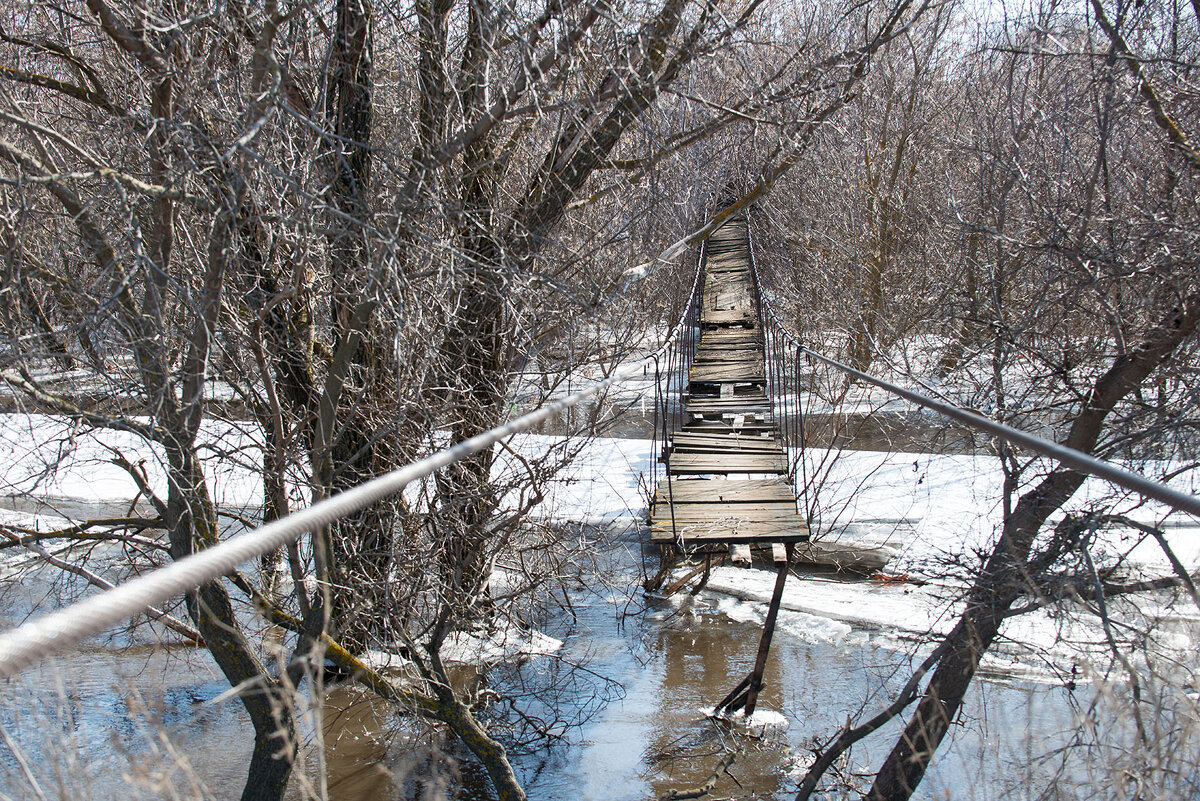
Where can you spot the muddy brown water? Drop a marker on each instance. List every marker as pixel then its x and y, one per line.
pixel 121 719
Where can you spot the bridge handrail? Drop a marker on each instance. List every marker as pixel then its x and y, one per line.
pixel 1071 457
pixel 57 631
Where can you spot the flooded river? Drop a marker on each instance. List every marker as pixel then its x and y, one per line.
pixel 633 680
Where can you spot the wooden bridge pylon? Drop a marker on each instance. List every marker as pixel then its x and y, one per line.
pixel 730 430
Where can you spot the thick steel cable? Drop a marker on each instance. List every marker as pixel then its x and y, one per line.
pixel 1078 460
pixel 1071 457
pixel 58 631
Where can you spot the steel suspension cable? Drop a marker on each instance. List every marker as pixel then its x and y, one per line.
pixel 1078 460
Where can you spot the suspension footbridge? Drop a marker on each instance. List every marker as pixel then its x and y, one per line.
pixel 728 427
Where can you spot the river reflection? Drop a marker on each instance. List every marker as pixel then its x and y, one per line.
pixel 154 722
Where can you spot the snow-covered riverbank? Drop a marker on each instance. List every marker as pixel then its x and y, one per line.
pixel 938 514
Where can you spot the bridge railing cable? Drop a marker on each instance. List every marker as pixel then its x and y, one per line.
pixel 671 379
pixel 787 345
pixel 58 631
pixel 782 352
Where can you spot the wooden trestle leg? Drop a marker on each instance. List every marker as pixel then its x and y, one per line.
pixel 745 695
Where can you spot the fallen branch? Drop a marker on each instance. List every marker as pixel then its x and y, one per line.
pixel 699 792
pixel 173 623
pixel 443 707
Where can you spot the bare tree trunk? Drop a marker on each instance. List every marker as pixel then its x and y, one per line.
pixel 359 547
pixel 192 523
pixel 1003 579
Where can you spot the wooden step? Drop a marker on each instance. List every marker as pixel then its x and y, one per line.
pixel 727 372
pixel 725 490
pixel 730 533
pixel 741 404
pixel 730 442
pixel 742 317
pixel 727 462
pixel 746 427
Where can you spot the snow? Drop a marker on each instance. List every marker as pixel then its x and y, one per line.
pixel 863 604
pixel 937 513
pixel 50 463
pixel 758 723
pixel 506 644
pixel 604 485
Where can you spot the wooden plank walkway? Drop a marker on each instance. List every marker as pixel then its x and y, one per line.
pixel 729 429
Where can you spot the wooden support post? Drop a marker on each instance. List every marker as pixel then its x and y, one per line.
pixel 736 697
pixel 764 645
pixel 745 694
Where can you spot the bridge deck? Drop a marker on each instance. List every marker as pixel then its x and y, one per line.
pixel 730 430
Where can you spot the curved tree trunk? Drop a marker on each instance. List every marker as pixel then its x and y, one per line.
pixel 1003 579
pixel 192 524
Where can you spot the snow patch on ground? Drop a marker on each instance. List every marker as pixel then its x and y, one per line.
pixel 52 464
pixel 506 644
pixel 865 604
pixel 604 485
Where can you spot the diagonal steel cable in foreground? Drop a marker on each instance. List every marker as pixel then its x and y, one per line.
pixel 58 631
pixel 1078 460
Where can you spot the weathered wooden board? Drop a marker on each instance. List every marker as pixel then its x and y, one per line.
pixel 697 463
pixel 777 512
pixel 718 490
pixel 742 317
pixel 749 427
pixel 728 372
pixel 726 442
pixel 753 404
pixel 702 533
pixel 730 336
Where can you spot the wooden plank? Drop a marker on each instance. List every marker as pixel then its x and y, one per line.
pixel 720 359
pixel 752 510
pixel 759 490
pixel 734 405
pixel 689 513
pixel 708 362
pixel 730 335
pixel 731 441
pixel 742 347
pixel 722 356
pixel 753 397
pixel 719 451
pixel 697 463
pixel 744 533
pixel 751 426
pixel 739 554
pixel 727 374
pixel 778 552
pixel 744 317
pixel 721 448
